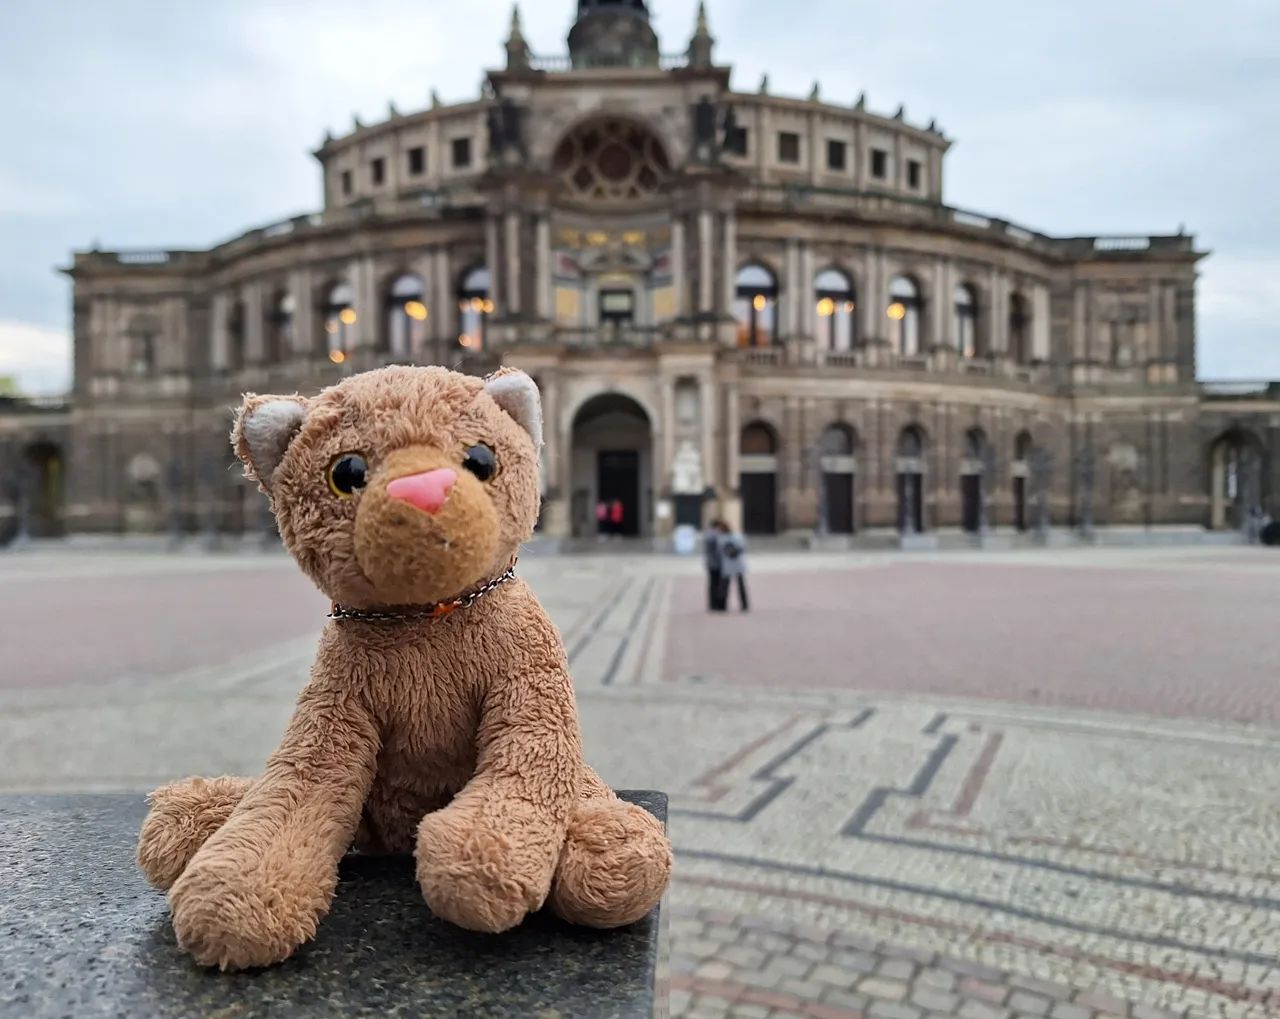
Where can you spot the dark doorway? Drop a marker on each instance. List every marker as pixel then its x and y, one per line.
pixel 1020 503
pixel 618 480
pixel 971 502
pixel 42 484
pixel 839 497
pixel 759 503
pixel 911 502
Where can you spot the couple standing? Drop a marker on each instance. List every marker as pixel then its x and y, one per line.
pixel 725 556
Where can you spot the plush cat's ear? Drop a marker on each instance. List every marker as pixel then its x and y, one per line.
pixel 517 394
pixel 265 425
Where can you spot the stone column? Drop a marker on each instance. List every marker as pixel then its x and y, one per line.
pixel 219 354
pixel 704 261
pixel 304 311
pixel 513 262
pixel 941 304
pixel 492 259
pixel 677 267
pixel 868 302
pixel 805 291
pixel 860 155
pixel 662 470
pixel 791 290
pixel 708 410
pixel 367 311
pixel 445 310
pixel 729 262
pixel 254 324
pixel 542 300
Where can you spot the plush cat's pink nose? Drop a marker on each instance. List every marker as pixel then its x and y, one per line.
pixel 427 491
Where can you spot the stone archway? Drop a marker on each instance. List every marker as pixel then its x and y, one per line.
pixel 611 469
pixel 1235 478
pixel 40 488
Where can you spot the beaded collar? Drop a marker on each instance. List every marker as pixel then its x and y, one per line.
pixel 418 613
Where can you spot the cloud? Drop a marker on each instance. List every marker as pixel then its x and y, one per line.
pixel 37 357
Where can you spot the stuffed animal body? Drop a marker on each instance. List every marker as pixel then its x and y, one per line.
pixel 439 718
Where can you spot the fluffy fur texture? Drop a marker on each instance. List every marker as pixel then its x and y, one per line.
pixel 456 739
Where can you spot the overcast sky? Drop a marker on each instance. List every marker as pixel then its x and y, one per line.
pixel 179 123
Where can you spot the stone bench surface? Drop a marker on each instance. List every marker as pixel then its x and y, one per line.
pixel 83 934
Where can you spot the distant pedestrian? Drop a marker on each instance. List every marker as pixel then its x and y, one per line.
pixel 733 564
pixel 617 516
pixel 712 560
pixel 602 518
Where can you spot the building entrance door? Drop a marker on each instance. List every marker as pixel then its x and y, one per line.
pixel 618 481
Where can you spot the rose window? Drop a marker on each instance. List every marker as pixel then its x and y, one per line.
pixel 611 160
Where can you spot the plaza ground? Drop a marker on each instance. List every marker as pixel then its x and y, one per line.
pixel 986 785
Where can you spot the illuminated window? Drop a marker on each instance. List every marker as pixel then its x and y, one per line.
pixel 756 306
pixel 474 308
pixel 904 315
pixel 417 161
pixel 788 147
pixel 406 318
pixel 966 320
pixel 835 307
pixel 339 316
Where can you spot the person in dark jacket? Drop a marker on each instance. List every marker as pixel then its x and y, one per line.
pixel 712 560
pixel 733 565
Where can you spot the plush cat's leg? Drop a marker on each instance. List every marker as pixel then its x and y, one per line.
pixel 615 863
pixel 259 886
pixel 182 817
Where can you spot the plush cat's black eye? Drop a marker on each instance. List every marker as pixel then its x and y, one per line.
pixel 347 473
pixel 481 462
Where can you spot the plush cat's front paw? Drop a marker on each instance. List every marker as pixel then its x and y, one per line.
pixel 242 914
pixel 474 877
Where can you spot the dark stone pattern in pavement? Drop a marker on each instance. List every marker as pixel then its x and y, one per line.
pixel 1177 642
pixel 752 967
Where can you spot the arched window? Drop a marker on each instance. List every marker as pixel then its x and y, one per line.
pixel 474 308
pixel 910 474
pixel 911 443
pixel 966 323
pixel 1019 329
pixel 904 315
pixel 758 478
pixel 406 318
pixel 280 325
pixel 756 306
pixel 1023 447
pixel 834 293
pixel 758 440
pixel 339 321
pixel 837 440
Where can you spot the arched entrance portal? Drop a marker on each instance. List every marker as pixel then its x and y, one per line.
pixel 838 472
pixel 910 466
pixel 612 468
pixel 975 469
pixel 40 487
pixel 758 479
pixel 1236 474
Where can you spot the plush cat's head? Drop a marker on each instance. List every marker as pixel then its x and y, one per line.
pixel 400 486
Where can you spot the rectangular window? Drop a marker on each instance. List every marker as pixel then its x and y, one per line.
pixel 879 164
pixel 788 147
pixel 836 155
pixel 617 306
pixel 378 169
pixel 913 174
pixel 417 161
pixel 736 141
pixel 346 182
pixel 461 153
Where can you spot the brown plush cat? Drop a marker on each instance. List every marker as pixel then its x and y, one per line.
pixel 439 717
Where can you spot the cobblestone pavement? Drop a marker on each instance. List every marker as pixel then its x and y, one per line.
pixel 881 821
